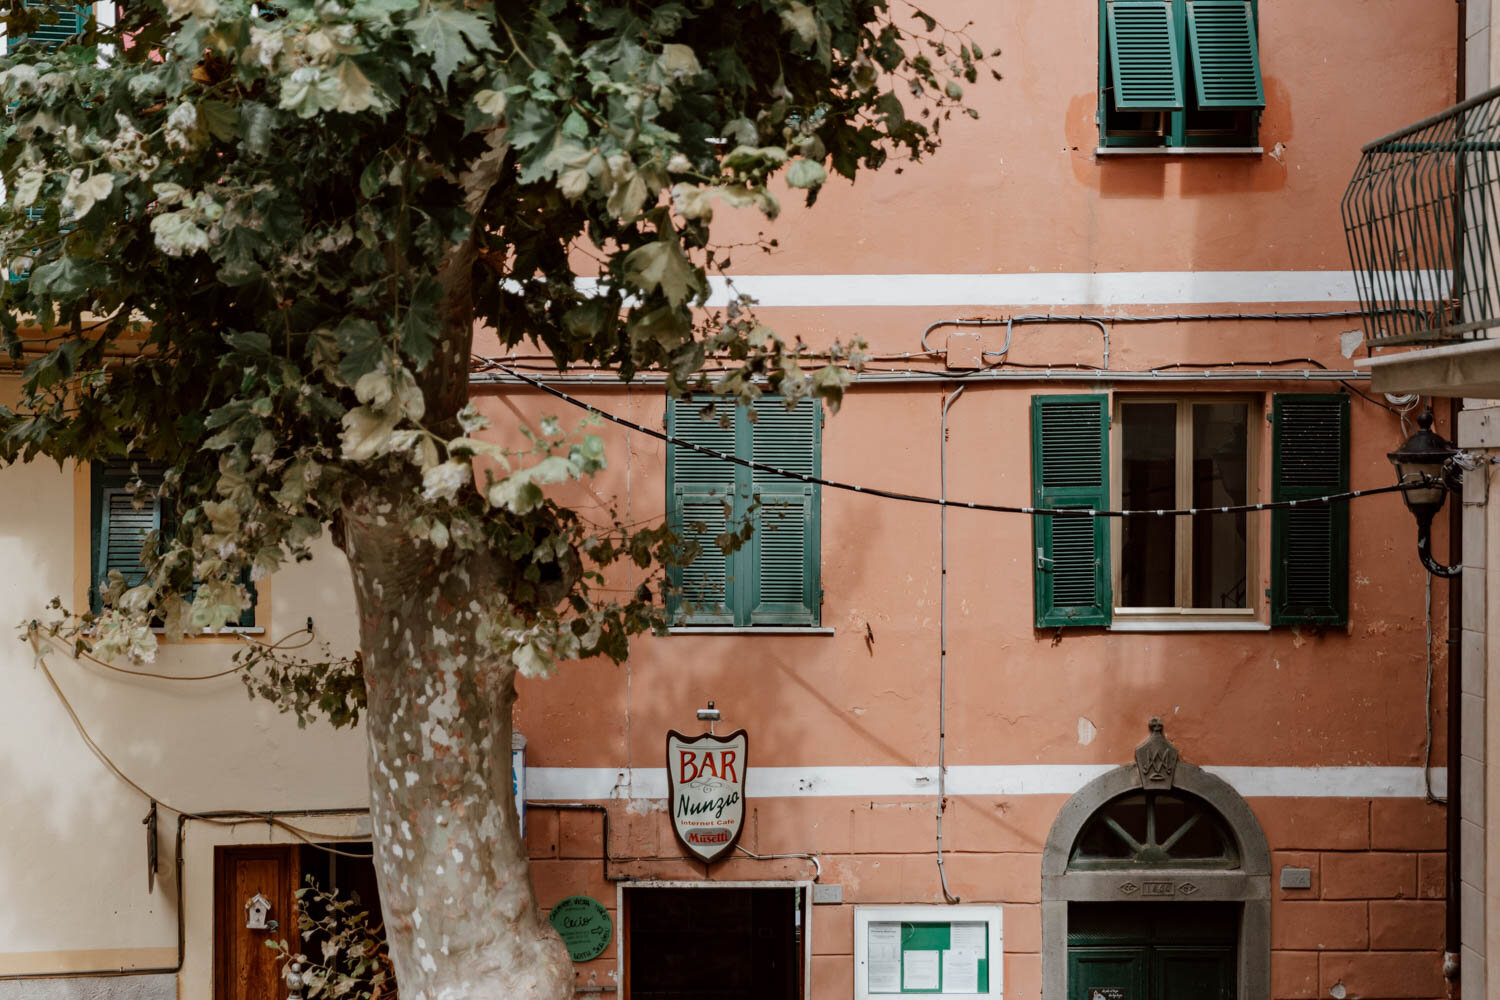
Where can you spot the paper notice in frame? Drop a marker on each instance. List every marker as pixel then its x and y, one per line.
pixel 960 971
pixel 884 977
pixel 968 936
pixel 885 942
pixel 920 970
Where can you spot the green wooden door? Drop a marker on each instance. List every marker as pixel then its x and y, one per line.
pixel 1152 951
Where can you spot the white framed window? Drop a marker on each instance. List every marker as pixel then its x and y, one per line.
pixel 1174 452
pixel 949 951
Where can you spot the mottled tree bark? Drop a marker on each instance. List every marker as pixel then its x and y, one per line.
pixel 460 911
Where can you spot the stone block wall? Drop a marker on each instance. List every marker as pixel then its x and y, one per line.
pixel 1372 919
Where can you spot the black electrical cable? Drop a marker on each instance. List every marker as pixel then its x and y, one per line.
pixel 935 501
pixel 1372 399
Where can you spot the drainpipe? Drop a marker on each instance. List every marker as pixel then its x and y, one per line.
pixel 943 642
pixel 1454 817
pixel 1452 912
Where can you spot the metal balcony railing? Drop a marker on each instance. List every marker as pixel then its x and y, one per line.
pixel 1420 215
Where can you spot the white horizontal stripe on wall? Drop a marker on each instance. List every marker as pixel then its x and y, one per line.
pixel 594 783
pixel 1109 288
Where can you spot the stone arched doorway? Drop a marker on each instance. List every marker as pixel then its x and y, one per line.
pixel 1156 881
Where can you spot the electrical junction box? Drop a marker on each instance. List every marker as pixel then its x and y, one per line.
pixel 1296 878
pixel 965 351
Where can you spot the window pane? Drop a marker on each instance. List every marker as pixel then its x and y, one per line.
pixel 1148 481
pixel 1220 478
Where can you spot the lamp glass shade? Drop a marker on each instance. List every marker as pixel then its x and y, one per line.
pixel 1421 459
pixel 1429 496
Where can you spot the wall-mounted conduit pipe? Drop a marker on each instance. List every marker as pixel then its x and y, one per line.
pixel 943 640
pixel 1062 374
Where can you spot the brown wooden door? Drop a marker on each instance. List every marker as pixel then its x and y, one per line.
pixel 244 968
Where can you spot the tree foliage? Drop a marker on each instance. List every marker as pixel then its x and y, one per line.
pixel 252 243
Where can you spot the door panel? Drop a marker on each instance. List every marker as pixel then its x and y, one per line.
pixel 1194 973
pixel 244 968
pixel 1107 974
pixel 1152 951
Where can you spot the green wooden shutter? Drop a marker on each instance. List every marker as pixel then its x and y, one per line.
pixel 70 21
pixel 122 530
pixel 118 529
pixel 1070 468
pixel 785 549
pixel 1226 59
pixel 701 500
pixel 1309 546
pixel 1145 56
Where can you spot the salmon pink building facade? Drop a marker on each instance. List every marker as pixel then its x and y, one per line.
pixel 956 746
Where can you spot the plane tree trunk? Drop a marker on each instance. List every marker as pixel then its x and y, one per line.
pixel 461 914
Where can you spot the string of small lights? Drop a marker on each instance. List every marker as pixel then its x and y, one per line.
pixel 875 491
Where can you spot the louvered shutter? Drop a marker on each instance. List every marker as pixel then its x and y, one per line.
pixel 70 21
pixel 118 529
pixel 1070 468
pixel 1145 55
pixel 701 501
pixel 122 532
pixel 785 547
pixel 1310 546
pixel 1226 59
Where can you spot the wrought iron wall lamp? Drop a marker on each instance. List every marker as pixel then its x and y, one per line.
pixel 1425 466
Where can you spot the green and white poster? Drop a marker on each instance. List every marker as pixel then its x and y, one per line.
pixel 928 957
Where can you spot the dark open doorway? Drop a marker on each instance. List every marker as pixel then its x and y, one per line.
pixel 712 943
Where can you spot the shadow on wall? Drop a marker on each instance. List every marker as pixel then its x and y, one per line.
pixel 1147 176
pixel 73 870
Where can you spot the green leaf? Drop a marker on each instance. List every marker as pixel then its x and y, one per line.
pixel 442 32
pixel 662 264
pixel 309 91
pixel 419 324
pixel 362 349
pixel 250 342
pixel 67 277
pixel 220 118
pixel 805 173
pixel 256 124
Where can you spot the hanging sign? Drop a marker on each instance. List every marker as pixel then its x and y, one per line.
pixel 706 784
pixel 584 925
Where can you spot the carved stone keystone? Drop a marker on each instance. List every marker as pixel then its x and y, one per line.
pixel 1156 759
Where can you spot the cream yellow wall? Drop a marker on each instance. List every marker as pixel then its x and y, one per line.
pixel 72 847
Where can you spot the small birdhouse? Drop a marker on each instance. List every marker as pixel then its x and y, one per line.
pixel 257 908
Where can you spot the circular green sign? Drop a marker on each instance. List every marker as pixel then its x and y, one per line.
pixel 584 925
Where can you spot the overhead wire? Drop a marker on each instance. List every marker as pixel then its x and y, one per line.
pixel 218 819
pixel 939 501
pixel 278 646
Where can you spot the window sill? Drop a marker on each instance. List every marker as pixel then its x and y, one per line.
pixel 1180 151
pixel 750 630
pixel 1186 625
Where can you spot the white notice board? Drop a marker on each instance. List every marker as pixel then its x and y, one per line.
pixel 947 951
